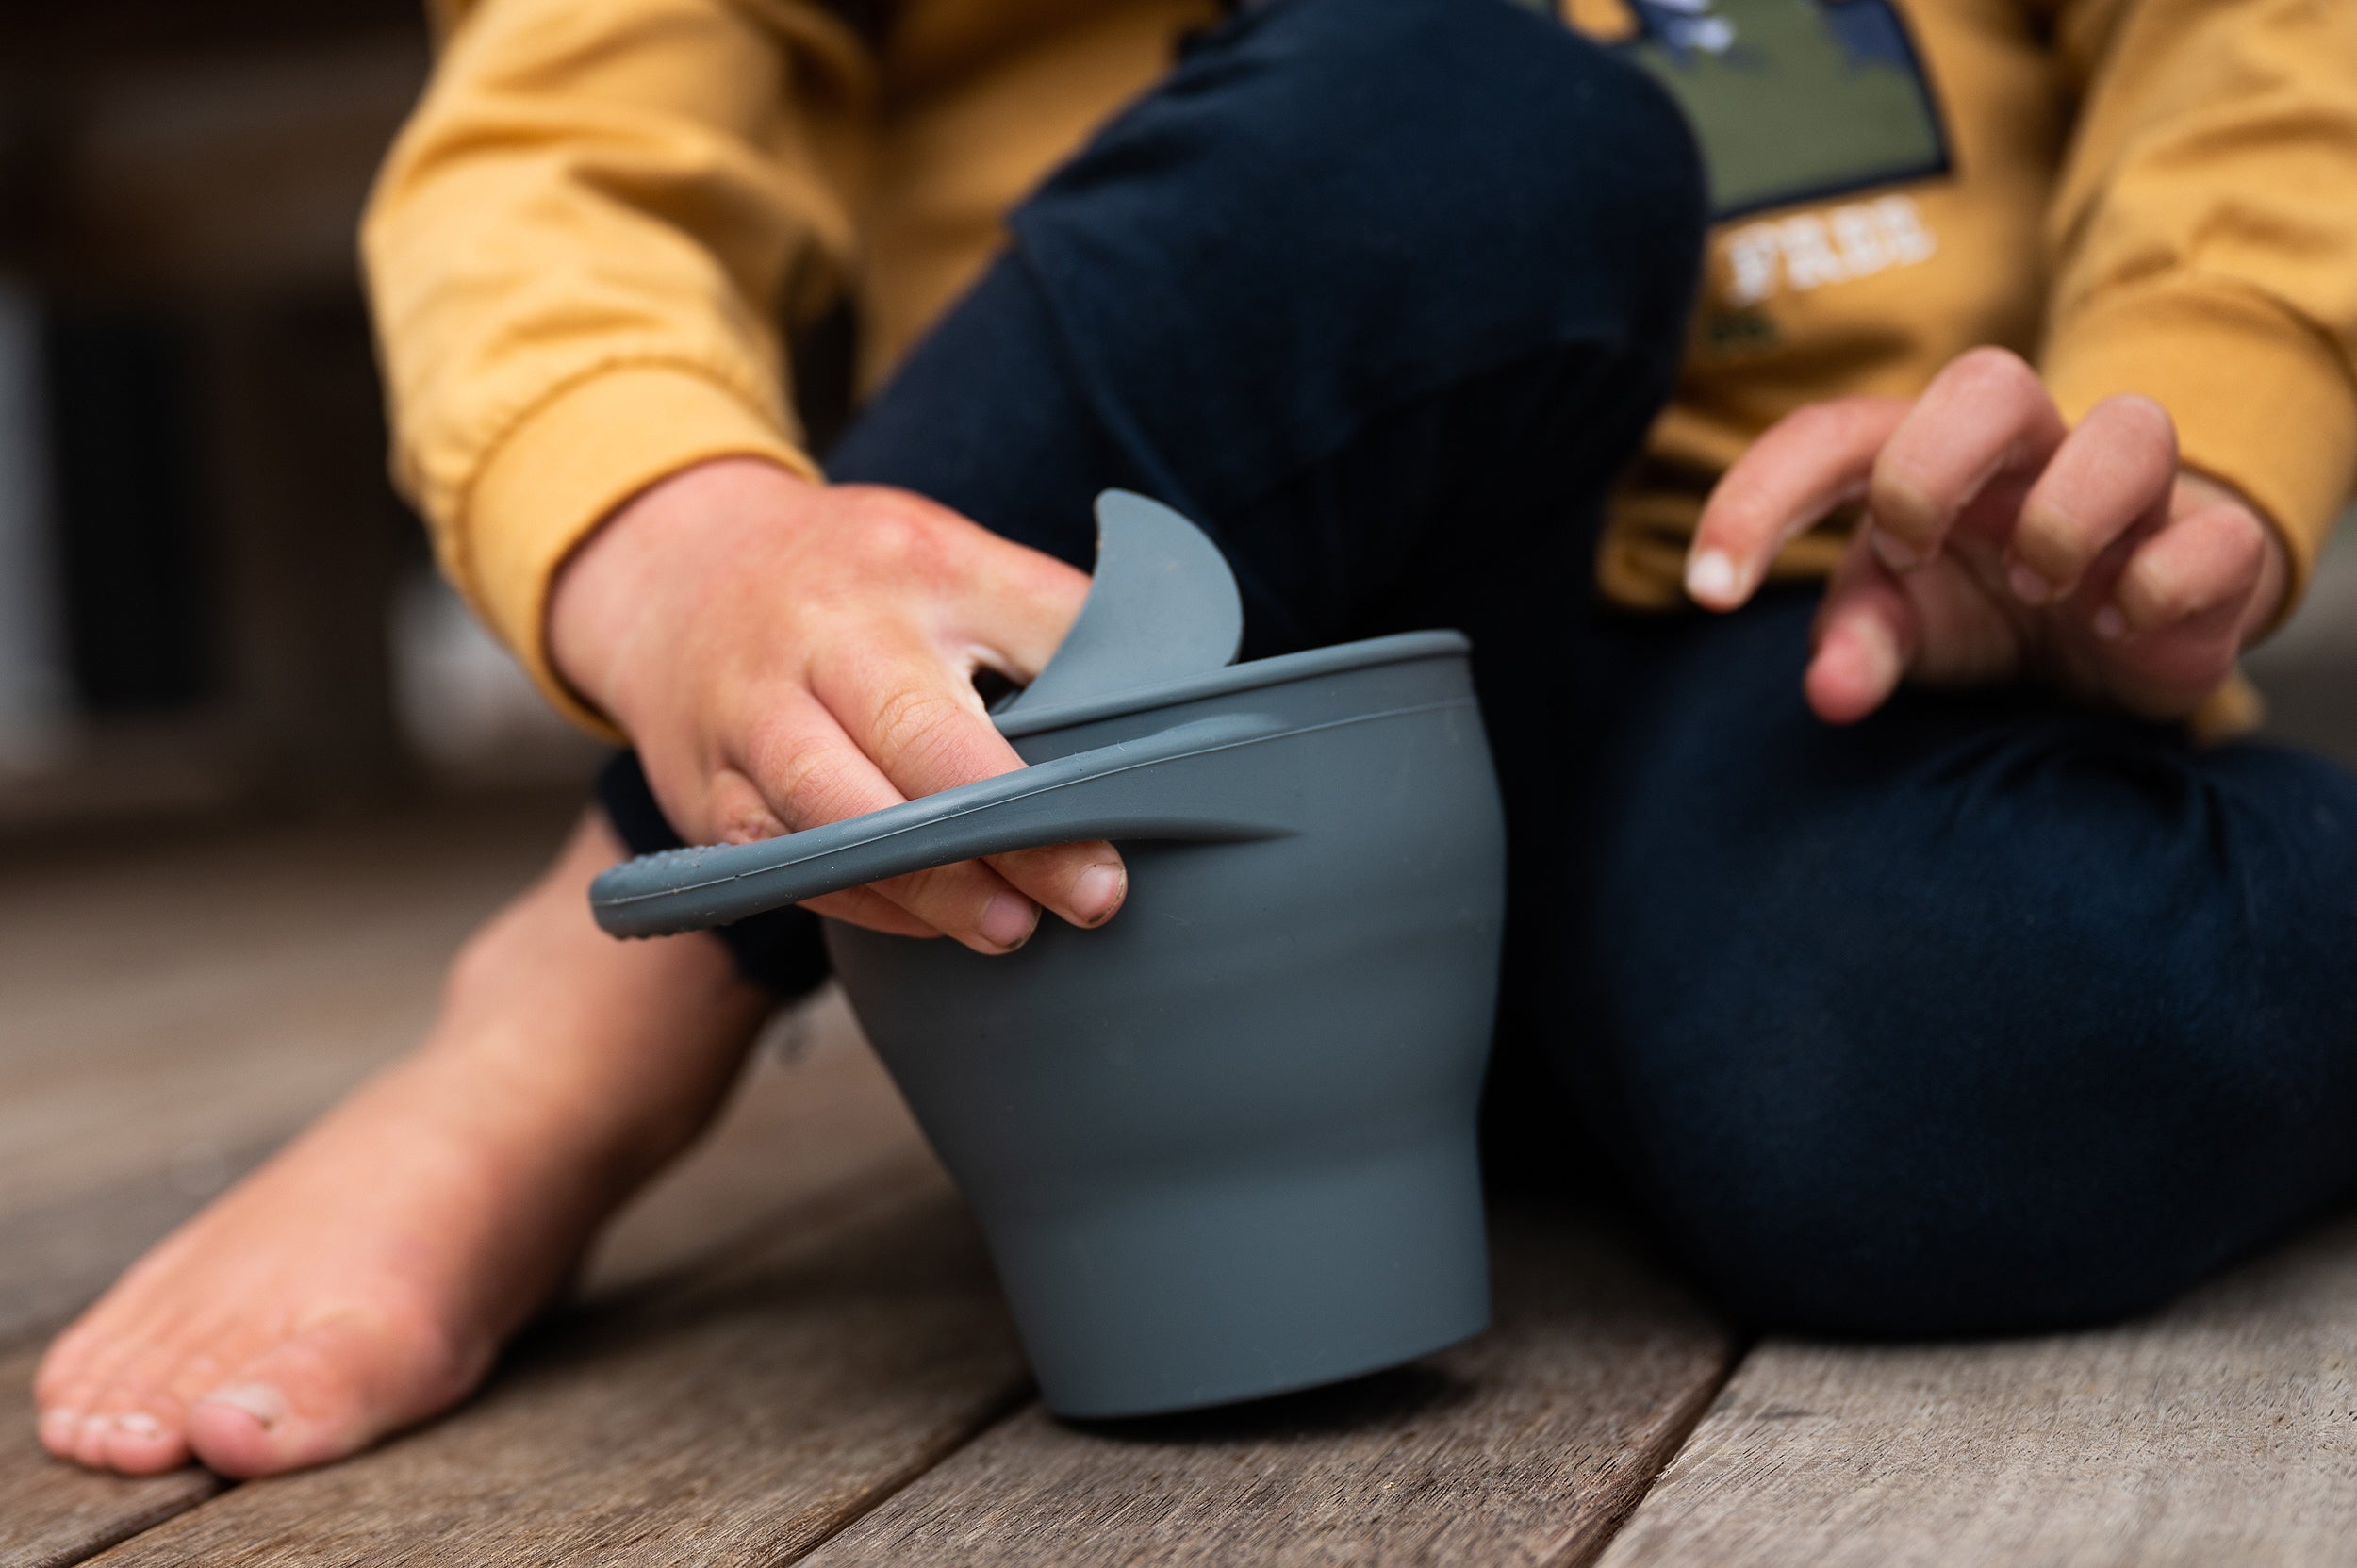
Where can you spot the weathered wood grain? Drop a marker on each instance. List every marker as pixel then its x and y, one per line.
pixel 1527 1445
pixel 169 1006
pixel 55 1257
pixel 2221 1432
pixel 737 1421
pixel 52 1514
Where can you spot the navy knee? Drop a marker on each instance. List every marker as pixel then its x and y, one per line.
pixel 1848 1166
pixel 1394 195
pixel 1983 1015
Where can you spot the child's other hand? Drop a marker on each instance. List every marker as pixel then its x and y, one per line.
pixel 1999 544
pixel 784 654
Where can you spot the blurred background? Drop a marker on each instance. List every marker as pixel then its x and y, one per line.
pixel 212 607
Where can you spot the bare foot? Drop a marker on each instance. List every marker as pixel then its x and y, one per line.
pixel 366 1277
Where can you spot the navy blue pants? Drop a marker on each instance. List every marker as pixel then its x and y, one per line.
pixel 1990 1013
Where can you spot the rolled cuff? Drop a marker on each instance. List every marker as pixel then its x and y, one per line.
pixel 2262 399
pixel 565 467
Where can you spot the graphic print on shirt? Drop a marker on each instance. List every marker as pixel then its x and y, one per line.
pixel 1792 100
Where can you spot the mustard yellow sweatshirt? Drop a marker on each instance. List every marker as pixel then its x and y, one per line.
pixel 588 244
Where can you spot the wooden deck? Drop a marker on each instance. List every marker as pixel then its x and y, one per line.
pixel 791 1351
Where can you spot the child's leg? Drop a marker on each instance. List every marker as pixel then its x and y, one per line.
pixel 364 1278
pixel 1988 1013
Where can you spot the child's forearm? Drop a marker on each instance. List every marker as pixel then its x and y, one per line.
pixel 575 255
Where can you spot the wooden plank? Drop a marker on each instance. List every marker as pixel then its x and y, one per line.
pixel 739 1420
pixel 1527 1445
pixel 171 1004
pixel 2221 1432
pixel 57 1256
pixel 51 1513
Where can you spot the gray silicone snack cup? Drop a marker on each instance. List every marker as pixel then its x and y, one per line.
pixel 1222 1146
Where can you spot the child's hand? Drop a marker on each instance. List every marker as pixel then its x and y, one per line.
pixel 1998 544
pixel 785 654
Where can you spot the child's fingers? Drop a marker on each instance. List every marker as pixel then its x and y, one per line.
pixel 1985 420
pixel 2199 571
pixel 2112 475
pixel 918 719
pixel 1007 602
pixel 865 906
pixel 809 770
pixel 1018 604
pixel 1866 638
pixel 2168 611
pixel 1802 467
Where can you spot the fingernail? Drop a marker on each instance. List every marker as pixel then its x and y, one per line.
pixel 1710 577
pixel 1895 552
pixel 1097 893
pixel 1008 919
pixel 2027 586
pixel 138 1424
pixel 2110 624
pixel 60 1427
pixel 259 1400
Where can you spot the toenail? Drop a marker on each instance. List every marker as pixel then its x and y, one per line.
pixel 59 1428
pixel 138 1424
pixel 259 1400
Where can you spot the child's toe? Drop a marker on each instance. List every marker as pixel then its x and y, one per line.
pixel 330 1391
pixel 146 1442
pixel 60 1429
pixel 131 1423
pixel 91 1441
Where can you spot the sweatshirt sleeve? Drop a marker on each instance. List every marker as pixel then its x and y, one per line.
pixel 2204 239
pixel 578 255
